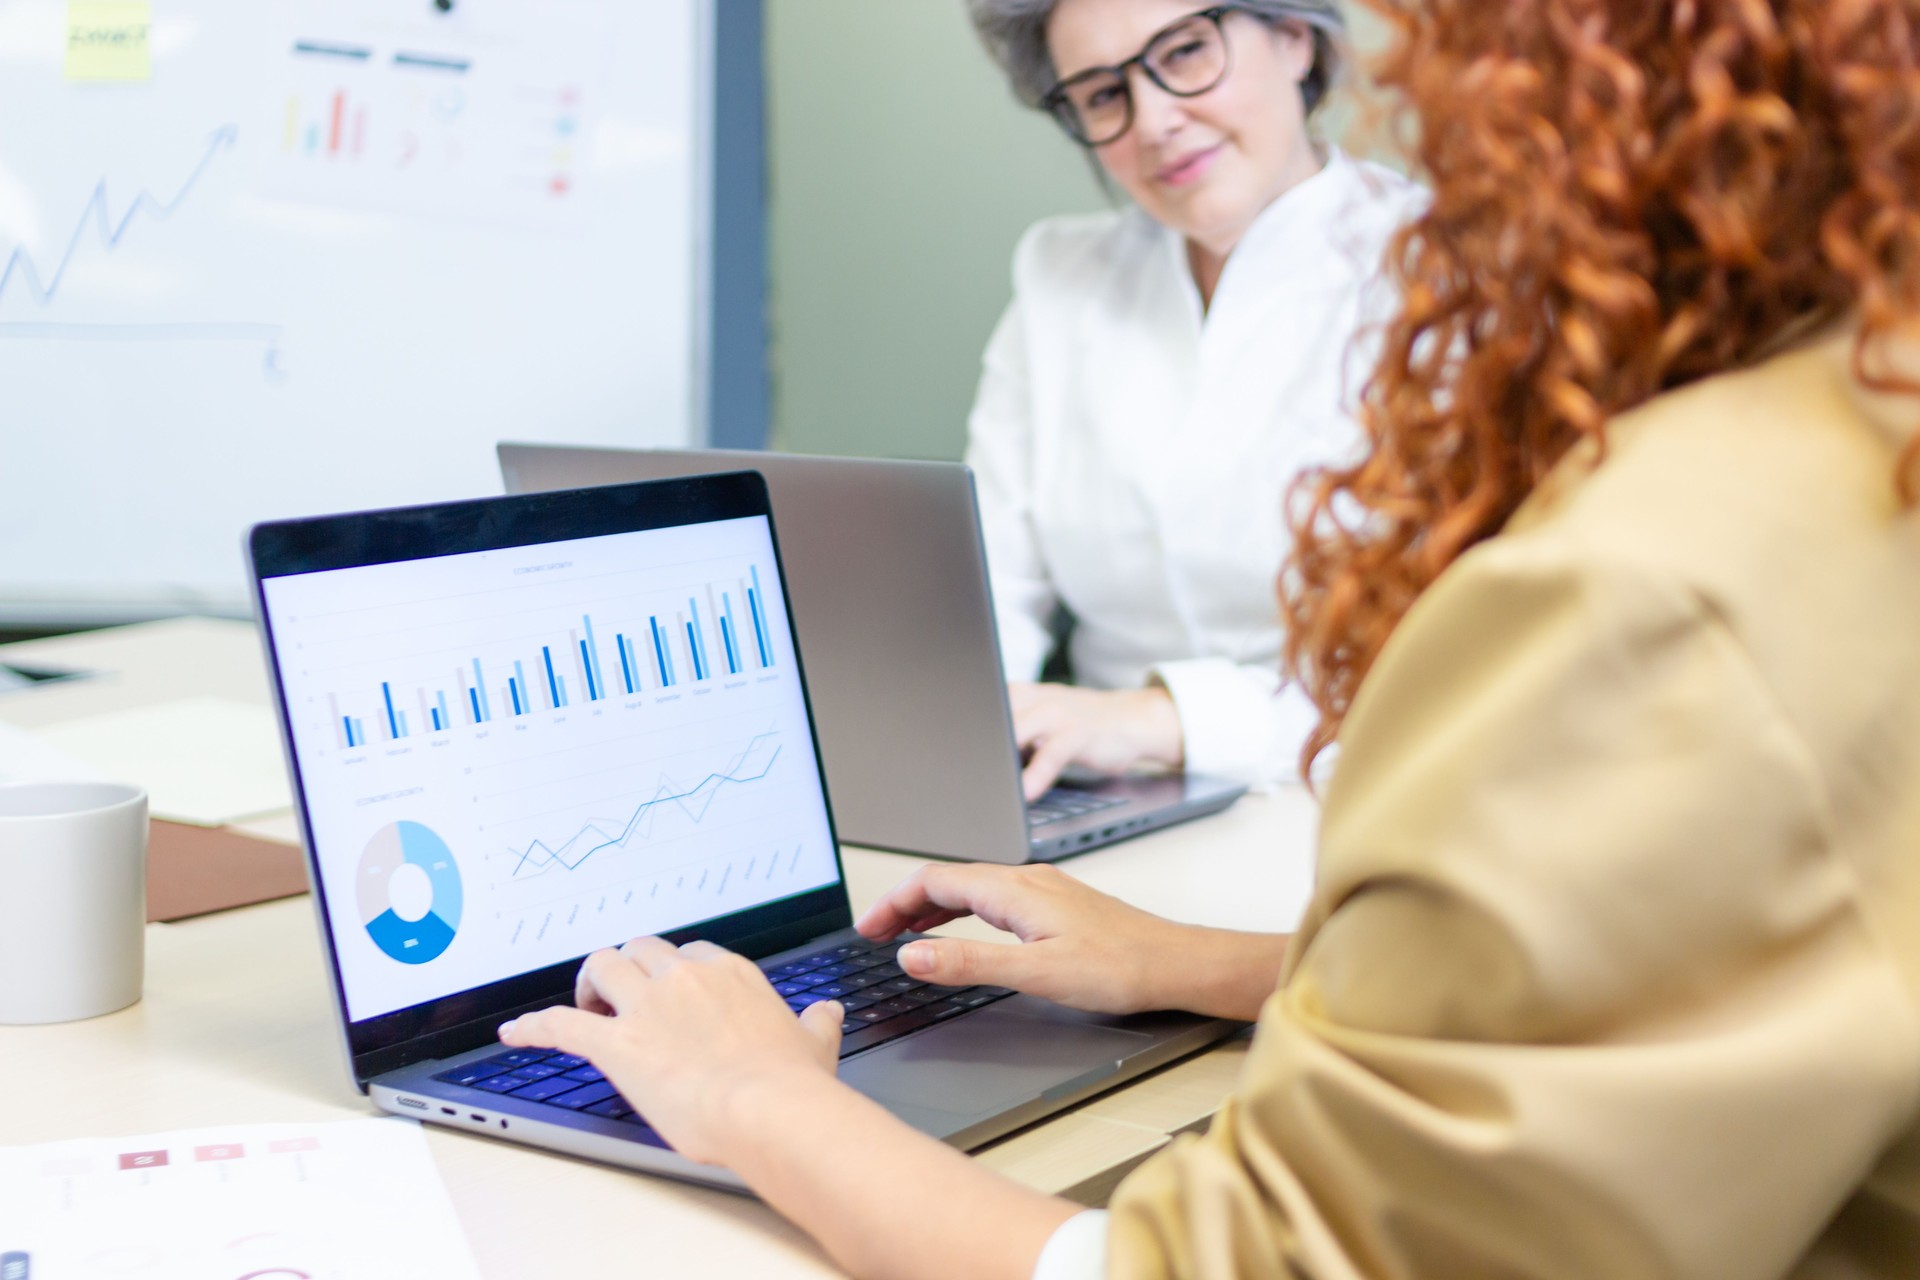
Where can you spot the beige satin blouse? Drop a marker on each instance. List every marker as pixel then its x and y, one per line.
pixel 1613 968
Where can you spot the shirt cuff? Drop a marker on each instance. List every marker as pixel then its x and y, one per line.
pixel 1235 721
pixel 1077 1249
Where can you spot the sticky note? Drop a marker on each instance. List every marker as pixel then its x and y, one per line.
pixel 108 40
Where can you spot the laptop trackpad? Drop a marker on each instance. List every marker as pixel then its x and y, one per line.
pixel 988 1062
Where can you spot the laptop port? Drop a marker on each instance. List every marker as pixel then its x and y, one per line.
pixel 476 1118
pixel 415 1103
pixel 448 1111
pixel 503 1122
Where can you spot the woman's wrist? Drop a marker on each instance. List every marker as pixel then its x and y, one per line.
pixel 1158 738
pixel 1222 973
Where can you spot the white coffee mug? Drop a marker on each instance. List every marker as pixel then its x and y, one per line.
pixel 73 899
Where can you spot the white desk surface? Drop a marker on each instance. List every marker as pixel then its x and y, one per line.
pixel 236 1025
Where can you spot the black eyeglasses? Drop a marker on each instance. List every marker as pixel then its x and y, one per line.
pixel 1185 58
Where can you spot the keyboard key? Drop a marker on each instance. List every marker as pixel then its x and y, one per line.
pixel 940 1010
pixel 854 1004
pixel 585 1095
pixel 873 1013
pixel 831 991
pixel 470 1073
pixel 566 1061
pixel 589 1074
pixel 541 1090
pixel 894 986
pixel 893 1028
pixel 614 1108
pixel 837 970
pixel 791 989
pixel 500 1084
pixel 538 1071
pixel 895 1006
pixel 924 995
pixel 520 1057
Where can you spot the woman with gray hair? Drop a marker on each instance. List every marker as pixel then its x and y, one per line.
pixel 1165 370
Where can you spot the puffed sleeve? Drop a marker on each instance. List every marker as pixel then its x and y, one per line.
pixel 1000 441
pixel 1585 990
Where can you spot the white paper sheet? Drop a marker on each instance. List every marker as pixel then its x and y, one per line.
pixel 25 757
pixel 207 761
pixel 352 1200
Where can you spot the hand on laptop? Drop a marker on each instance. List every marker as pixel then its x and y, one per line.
pixel 681 1031
pixel 1106 730
pixel 1077 946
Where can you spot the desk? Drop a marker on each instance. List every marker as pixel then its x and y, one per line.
pixel 236 1025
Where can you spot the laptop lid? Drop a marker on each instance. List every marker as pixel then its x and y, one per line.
pixel 891 601
pixel 522 729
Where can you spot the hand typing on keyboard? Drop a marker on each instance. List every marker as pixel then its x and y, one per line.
pixel 687 1034
pixel 1105 730
pixel 1077 946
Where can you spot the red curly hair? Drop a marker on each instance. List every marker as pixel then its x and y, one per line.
pixel 1628 196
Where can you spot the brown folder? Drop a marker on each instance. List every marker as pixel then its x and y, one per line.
pixel 194 870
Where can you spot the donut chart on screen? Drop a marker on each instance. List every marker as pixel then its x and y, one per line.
pixel 409 892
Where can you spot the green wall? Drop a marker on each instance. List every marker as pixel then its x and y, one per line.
pixel 901 174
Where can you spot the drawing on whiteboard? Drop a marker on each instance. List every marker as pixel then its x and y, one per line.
pixel 433 130
pixel 24 276
pixel 96 214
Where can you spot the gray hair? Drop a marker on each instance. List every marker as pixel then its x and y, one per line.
pixel 1015 33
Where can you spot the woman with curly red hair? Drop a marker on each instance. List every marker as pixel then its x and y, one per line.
pixel 1613 965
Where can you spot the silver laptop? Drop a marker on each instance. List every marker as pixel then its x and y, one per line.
pixel 525 728
pixel 892 603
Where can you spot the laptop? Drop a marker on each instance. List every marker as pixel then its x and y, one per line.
pixel 893 606
pixel 525 728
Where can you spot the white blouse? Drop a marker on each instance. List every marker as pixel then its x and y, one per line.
pixel 1132 450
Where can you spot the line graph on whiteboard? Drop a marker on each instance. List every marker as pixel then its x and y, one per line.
pixel 22 275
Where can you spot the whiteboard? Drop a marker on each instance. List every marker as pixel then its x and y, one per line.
pixel 320 255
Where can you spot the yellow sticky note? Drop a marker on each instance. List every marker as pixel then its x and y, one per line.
pixel 107 40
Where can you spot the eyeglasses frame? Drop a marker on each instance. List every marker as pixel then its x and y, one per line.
pixel 1054 102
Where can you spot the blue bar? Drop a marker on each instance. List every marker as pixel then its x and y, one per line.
pixel 563 690
pixel 759 622
pixel 474 696
pixel 626 668
pixel 480 683
pixel 433 713
pixel 553 681
pixel 754 597
pixel 693 652
pixel 728 630
pixel 592 651
pixel 393 725
pixel 513 691
pixel 700 662
pixel 522 700
pixel 348 720
pixel 446 717
pixel 660 653
pixel 403 725
pixel 586 665
pixel 359 734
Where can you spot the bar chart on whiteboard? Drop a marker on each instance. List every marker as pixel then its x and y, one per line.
pixel 513 757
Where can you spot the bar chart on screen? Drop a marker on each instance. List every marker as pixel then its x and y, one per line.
pixel 513 757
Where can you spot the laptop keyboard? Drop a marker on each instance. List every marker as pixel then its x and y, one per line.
pixel 882 1003
pixel 1062 803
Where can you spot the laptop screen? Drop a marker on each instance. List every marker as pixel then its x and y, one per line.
pixel 515 756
